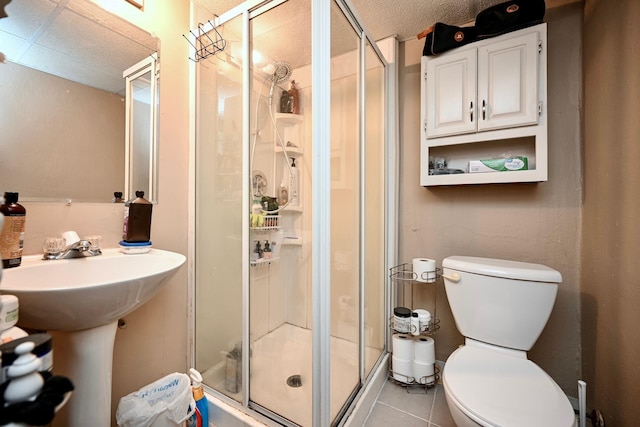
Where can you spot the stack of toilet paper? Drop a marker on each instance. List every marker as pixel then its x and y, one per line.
pixel 413 359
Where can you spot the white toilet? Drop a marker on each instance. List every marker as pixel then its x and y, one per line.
pixel 501 307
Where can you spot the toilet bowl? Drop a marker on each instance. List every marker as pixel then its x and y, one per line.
pixel 501 307
pixel 493 388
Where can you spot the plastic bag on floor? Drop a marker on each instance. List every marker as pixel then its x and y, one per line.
pixel 164 403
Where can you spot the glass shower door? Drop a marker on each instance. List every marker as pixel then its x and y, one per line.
pixel 219 218
pixel 375 271
pixel 280 145
pixel 345 210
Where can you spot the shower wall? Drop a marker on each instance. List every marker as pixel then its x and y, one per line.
pixel 287 285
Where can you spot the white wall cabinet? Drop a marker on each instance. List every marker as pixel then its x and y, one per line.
pixel 486 100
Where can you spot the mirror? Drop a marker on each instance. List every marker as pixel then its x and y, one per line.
pixel 62 92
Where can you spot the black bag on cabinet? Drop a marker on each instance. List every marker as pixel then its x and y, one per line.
pixel 445 37
pixel 509 16
pixel 490 22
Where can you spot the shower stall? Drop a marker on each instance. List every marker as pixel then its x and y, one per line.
pixel 292 241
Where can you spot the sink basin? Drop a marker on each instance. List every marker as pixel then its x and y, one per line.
pixel 83 293
pixel 79 301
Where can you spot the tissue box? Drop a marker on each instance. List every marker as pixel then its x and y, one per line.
pixel 498 165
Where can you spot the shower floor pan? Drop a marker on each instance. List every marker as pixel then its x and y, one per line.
pixel 286 352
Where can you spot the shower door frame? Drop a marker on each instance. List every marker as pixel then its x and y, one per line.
pixel 321 78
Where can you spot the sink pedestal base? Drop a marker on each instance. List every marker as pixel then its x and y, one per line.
pixel 86 358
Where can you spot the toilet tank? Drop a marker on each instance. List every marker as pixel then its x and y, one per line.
pixel 500 302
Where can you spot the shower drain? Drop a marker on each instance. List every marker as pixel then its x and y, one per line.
pixel 294 381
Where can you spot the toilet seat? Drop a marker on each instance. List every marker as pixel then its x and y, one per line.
pixel 500 390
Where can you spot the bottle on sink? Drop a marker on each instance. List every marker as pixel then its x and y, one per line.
pixel 137 220
pixel 12 234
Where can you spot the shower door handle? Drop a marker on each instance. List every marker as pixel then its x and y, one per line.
pixel 455 277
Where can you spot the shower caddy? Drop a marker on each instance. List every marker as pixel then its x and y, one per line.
pixel 271 223
pixel 402 277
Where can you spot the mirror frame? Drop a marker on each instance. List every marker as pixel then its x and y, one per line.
pixel 147 65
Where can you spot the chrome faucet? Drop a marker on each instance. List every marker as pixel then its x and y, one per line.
pixel 78 249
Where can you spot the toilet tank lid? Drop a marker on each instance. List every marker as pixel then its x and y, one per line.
pixel 503 268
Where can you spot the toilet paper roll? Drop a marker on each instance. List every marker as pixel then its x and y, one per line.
pixel 402 347
pixel 424 350
pixel 402 370
pixel 424 373
pixel 424 270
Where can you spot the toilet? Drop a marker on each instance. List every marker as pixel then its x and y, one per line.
pixel 501 307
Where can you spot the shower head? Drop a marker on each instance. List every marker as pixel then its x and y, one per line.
pixel 281 73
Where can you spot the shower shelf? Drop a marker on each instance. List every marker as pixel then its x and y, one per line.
pixel 294 152
pixel 271 223
pixel 291 241
pixel 263 261
pixel 289 118
pixel 292 208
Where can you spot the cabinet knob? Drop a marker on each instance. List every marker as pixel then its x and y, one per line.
pixel 471 110
pixel 484 110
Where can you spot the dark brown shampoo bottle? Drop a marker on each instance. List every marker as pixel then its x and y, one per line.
pixel 12 234
pixel 137 219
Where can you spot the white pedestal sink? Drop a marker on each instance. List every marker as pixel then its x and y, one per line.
pixel 79 301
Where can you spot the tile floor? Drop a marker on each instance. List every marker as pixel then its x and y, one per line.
pixel 410 407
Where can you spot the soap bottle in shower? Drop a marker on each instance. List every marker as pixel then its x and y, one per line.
pixel 284 102
pixel 12 232
pixel 257 252
pixel 294 97
pixel 267 250
pixel 283 194
pixel 294 184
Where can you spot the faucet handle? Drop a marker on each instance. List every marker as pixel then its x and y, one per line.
pixel 94 242
pixel 53 245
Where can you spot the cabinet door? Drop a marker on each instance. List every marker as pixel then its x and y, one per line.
pixel 508 83
pixel 451 94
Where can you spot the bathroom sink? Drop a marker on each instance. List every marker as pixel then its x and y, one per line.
pixel 82 293
pixel 79 301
